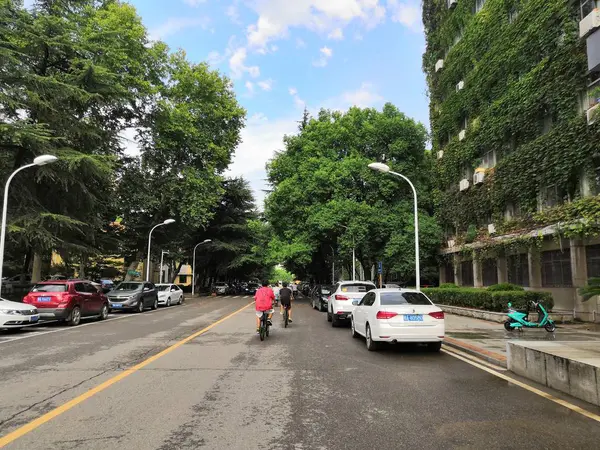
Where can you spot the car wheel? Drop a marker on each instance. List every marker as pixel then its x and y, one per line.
pixel 168 302
pixel 104 312
pixel 75 317
pixel 353 329
pixel 335 322
pixel 181 300
pixel 434 346
pixel 371 344
pixel 140 307
pixel 154 304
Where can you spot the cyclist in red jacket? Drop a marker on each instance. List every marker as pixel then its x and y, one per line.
pixel 264 298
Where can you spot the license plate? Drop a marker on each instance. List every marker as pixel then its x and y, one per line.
pixel 34 318
pixel 116 305
pixel 44 299
pixel 413 317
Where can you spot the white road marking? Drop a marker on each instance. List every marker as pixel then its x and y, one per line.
pixel 539 392
pixel 67 328
pixel 246 296
pixel 473 358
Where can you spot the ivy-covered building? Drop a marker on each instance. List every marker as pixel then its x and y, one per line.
pixel 514 87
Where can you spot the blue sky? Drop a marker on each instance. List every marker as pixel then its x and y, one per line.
pixel 285 54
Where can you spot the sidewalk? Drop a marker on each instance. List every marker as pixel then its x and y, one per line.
pixel 487 340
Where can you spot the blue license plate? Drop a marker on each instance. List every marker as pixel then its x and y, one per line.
pixel 34 319
pixel 413 317
pixel 116 305
pixel 44 299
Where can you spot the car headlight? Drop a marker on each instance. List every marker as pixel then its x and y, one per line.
pixel 10 312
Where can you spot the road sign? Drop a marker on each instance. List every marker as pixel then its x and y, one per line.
pixel 380 267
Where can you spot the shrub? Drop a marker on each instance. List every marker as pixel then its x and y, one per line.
pixel 448 286
pixel 501 287
pixel 486 300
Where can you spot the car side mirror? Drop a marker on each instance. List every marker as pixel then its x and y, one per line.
pixel 355 302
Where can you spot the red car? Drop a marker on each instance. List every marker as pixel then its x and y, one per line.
pixel 68 301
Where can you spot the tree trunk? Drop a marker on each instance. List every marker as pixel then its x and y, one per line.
pixel 176 272
pixel 132 266
pixel 27 262
pixel 82 262
pixel 36 273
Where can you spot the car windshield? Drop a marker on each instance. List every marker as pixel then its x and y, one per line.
pixel 129 287
pixel 49 288
pixel 357 287
pixel 163 287
pixel 404 298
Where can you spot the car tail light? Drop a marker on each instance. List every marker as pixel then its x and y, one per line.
pixel 437 314
pixel 386 314
pixel 341 297
pixel 27 299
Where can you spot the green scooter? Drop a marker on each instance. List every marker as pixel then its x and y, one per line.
pixel 519 319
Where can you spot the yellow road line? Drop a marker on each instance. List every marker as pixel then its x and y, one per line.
pixel 539 392
pixel 20 432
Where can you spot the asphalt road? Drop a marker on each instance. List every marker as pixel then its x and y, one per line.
pixel 310 386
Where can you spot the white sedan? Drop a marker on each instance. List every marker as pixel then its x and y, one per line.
pixel 16 315
pixel 169 294
pixel 398 315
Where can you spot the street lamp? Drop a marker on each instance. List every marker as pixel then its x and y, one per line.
pixel 39 161
pixel 162 257
pixel 384 168
pixel 194 265
pixel 166 222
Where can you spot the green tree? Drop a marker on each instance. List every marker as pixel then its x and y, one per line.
pixel 325 199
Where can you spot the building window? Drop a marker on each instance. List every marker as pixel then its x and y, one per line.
pixel 183 279
pixel 551 196
pixel 518 269
pixel 556 268
pixel 512 15
pixel 512 211
pixel 586 7
pixel 547 120
pixel 489 160
pixel 479 5
pixel 489 271
pixel 466 269
pixel 467 172
pixel 592 254
pixel 449 272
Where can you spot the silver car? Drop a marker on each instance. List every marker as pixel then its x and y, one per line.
pixel 133 296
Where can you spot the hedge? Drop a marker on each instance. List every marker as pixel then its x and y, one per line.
pixel 488 300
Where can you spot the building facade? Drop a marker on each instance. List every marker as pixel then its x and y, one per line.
pixel 514 89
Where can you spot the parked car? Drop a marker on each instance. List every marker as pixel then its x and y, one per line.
pixel 398 315
pixel 251 288
pixel 391 286
pixel 107 285
pixel 133 295
pixel 169 294
pixel 340 306
pixel 14 315
pixel 220 288
pixel 67 301
pixel 320 297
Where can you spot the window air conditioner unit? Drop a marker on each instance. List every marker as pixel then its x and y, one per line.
pixel 462 135
pixel 592 113
pixel 478 177
pixel 451 243
pixel 463 185
pixel 589 23
pixel 491 228
pixel 440 154
pixel 452 3
pixel 439 65
pixel 460 86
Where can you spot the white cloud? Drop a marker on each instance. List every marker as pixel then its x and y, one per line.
pixel 261 138
pixel 276 17
pixel 300 43
pixel 366 96
pixel 293 91
pixel 250 87
pixel 215 58
pixel 300 104
pixel 237 64
pixel 233 13
pixel 193 3
pixel 407 12
pixel 336 35
pixel 174 25
pixel 326 54
pixel 266 85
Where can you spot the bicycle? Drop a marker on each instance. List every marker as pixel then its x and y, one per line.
pixel 264 326
pixel 286 315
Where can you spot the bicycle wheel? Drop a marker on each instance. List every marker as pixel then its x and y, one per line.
pixel 262 331
pixel 286 317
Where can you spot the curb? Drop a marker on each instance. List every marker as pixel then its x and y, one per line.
pixel 473 350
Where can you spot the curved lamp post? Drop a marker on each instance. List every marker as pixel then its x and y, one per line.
pixel 194 265
pixel 39 161
pixel 166 222
pixel 384 168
